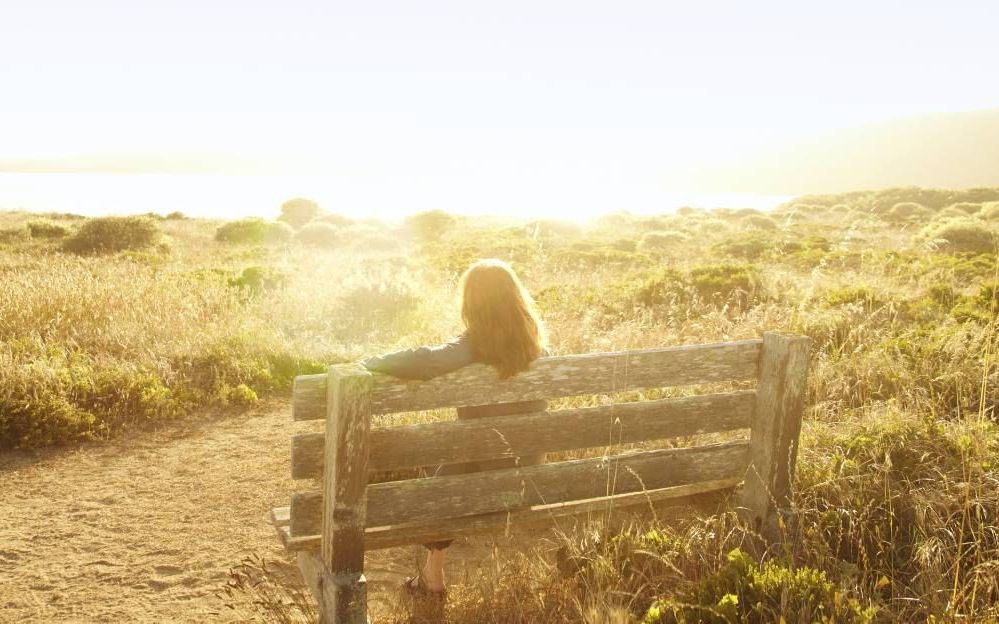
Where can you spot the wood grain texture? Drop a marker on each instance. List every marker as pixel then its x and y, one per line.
pixel 780 400
pixel 344 598
pixel 402 534
pixel 548 378
pixel 441 498
pixel 408 446
pixel 345 480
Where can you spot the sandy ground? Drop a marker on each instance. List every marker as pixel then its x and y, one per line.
pixel 145 528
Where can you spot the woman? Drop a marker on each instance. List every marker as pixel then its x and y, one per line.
pixel 502 329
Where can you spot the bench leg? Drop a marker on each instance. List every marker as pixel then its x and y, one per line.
pixel 344 599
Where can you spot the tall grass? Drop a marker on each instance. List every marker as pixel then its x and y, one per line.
pixel 896 493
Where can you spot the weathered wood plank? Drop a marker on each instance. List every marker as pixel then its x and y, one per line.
pixel 345 480
pixel 550 377
pixel 280 516
pixel 780 399
pixel 344 598
pixel 441 498
pixel 402 534
pixel 408 446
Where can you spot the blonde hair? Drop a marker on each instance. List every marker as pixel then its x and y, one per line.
pixel 500 316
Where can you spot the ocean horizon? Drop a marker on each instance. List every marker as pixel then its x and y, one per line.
pixel 234 196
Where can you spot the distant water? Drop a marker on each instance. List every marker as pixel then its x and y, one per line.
pixel 230 196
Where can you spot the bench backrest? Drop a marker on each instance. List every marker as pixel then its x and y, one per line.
pixel 347 515
pixel 350 395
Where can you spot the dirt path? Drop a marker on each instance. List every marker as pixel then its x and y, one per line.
pixel 145 529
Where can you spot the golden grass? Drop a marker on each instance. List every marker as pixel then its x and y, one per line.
pixel 896 494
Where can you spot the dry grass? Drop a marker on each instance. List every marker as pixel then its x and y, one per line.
pixel 896 494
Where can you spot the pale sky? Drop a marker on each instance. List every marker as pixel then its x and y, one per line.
pixel 444 99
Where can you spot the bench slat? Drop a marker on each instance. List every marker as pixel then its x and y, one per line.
pixel 402 534
pixel 548 378
pixel 443 498
pixel 409 446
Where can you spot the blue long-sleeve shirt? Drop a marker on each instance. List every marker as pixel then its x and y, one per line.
pixel 424 362
pixel 433 361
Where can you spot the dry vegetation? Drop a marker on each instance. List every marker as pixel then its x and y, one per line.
pixel 105 326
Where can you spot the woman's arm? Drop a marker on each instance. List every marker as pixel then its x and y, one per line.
pixel 423 362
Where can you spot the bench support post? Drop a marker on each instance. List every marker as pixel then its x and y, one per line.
pixel 773 446
pixel 342 586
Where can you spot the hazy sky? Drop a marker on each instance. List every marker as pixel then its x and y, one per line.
pixel 432 94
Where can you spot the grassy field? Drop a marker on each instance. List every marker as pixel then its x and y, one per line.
pixel 109 326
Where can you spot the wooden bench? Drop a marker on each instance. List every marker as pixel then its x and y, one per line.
pixel 332 527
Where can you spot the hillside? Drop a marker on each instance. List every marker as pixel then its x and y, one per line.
pixel 952 150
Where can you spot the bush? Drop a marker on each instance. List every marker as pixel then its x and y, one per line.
pixel 760 222
pixel 743 590
pixel 279 232
pixel 662 240
pixel 989 211
pixel 176 215
pixel 625 244
pixel 299 211
pixel 13 235
pixel 253 231
pixel 256 279
pixel 46 228
pixel 959 236
pixel 726 281
pixel 906 211
pixel 949 214
pixel 319 235
pixel 965 207
pixel 111 234
pixel 430 225
pixel 862 295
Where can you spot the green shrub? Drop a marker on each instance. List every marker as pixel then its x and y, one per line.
pixel 176 215
pixel 46 228
pixel 759 222
pixel 319 235
pixel 253 231
pixel 662 240
pixel 950 214
pixel 279 232
pixel 989 211
pixel 624 244
pixel 112 234
pixel 299 211
pixel 744 591
pixel 959 236
pixel 750 246
pixel 667 287
pixel 257 279
pixel 967 208
pixel 862 295
pixel 14 235
pixel 726 281
pixel 982 306
pixel 242 395
pixel 908 211
pixel 430 225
